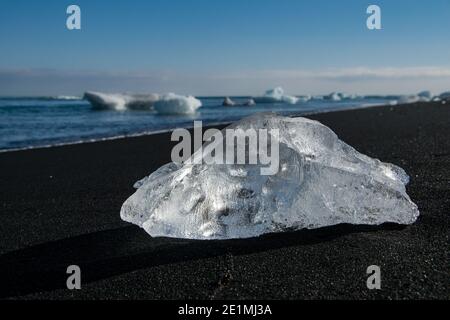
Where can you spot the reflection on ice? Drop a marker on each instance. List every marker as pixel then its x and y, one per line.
pixel 321 181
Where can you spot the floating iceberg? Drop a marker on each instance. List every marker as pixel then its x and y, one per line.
pixel 289 99
pixel 425 95
pixel 249 103
pixel 276 95
pixel 228 102
pixel 121 102
pixel 321 181
pixel 175 104
pixel 68 98
pixel 338 96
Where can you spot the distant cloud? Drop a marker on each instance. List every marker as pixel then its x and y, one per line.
pixel 357 73
pixel 356 79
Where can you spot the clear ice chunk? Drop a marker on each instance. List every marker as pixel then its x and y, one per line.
pixel 321 181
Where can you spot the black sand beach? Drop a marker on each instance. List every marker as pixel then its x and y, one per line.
pixel 60 206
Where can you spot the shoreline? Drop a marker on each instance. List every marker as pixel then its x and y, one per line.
pixel 156 132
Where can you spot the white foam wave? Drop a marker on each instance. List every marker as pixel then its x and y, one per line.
pixel 227 102
pixel 425 95
pixel 408 99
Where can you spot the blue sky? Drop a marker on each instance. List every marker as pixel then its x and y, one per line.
pixel 224 46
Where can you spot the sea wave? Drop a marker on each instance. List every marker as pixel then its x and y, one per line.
pixel 170 129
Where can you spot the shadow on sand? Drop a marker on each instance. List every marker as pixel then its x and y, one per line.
pixel 109 253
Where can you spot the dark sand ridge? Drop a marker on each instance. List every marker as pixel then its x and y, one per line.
pixel 60 206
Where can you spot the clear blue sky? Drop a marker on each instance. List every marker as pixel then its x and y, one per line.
pixel 223 46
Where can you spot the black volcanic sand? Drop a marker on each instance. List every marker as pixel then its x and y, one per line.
pixel 60 206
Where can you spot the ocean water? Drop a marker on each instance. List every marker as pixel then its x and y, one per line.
pixel 46 121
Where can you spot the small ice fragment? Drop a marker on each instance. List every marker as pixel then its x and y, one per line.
pixel 175 104
pixel 408 99
pixel 121 102
pixel 249 103
pixel 276 95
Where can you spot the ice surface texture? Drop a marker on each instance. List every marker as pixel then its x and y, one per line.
pixel 164 104
pixel 175 104
pixel 276 95
pixel 121 102
pixel 321 181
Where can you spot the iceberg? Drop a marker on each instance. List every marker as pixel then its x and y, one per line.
pixel 175 104
pixel 338 96
pixel 68 98
pixel 321 181
pixel 120 102
pixel 392 102
pixel 249 103
pixel 227 102
pixel 425 95
pixel 276 95
pixel 290 99
pixel 334 96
